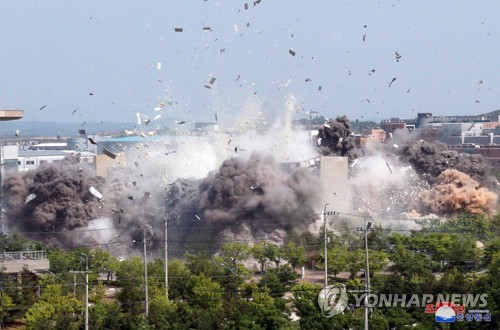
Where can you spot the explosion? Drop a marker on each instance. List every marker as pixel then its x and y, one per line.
pixel 457 192
pixel 335 139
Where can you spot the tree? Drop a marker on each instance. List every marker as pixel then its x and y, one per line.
pixel 131 280
pixel 55 311
pixel 295 255
pixel 264 252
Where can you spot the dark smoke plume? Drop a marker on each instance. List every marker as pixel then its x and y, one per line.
pixel 457 192
pixel 60 198
pixel 336 139
pixel 257 188
pixel 430 159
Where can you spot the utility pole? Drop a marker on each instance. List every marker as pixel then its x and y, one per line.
pixel 166 258
pixel 146 269
pixel 366 229
pixel 324 216
pixel 86 287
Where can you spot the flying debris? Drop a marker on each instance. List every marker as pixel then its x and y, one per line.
pixel 207 86
pixel 178 29
pixel 43 107
pixel 157 117
pixel 216 117
pixel 84 123
pixel 197 216
pixel 181 122
pixel 393 80
pixel 398 56
pixel 238 78
pixel 29 198
pixel 371 72
pixel 291 52
pixel 207 28
pixel 91 94
pixel 158 66
pixel 246 6
pixel 130 197
pixel 17 132
pixel 170 152
pixel 95 192
pixel 364 37
pixel 354 162
pixel 108 153
pixel 212 80
pixel 91 140
pixel 171 184
pixel 319 88
pixel 386 163
pixel 74 111
pixel 308 79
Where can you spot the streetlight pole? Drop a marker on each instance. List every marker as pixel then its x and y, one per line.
pixel 166 258
pixel 86 291
pixel 366 228
pixel 146 270
pixel 323 216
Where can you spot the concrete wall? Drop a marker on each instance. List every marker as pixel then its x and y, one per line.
pixel 334 177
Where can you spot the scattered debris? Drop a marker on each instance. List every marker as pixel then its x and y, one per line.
pixel 291 52
pixel 212 80
pixel 29 198
pixel 91 140
pixel 207 28
pixel 108 153
pixel 371 72
pixel 393 80
pixel 74 111
pixel 386 163
pixel 398 56
pixel 178 29
pixel 95 192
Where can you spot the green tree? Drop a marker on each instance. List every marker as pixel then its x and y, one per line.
pixel 295 255
pixel 55 311
pixel 264 252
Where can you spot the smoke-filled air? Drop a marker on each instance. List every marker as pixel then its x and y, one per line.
pixel 252 184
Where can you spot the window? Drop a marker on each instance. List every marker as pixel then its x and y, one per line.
pixel 30 162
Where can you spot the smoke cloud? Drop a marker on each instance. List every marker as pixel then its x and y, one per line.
pixel 457 192
pixel 430 159
pixel 336 139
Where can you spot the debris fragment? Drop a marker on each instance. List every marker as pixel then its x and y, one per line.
pixel 207 28
pixel 29 198
pixel 364 37
pixel 212 80
pixel 398 56
pixel 181 122
pixel 207 86
pixel 291 52
pixel 371 72
pixel 17 132
pixel 178 29
pixel 386 163
pixel 74 111
pixel 246 6
pixel 91 140
pixel 354 162
pixel 108 153
pixel 158 66
pixel 393 80
pixel 43 107
pixel 95 192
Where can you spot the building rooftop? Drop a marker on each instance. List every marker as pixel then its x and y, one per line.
pixel 11 115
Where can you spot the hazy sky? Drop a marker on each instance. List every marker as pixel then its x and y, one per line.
pixel 56 53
